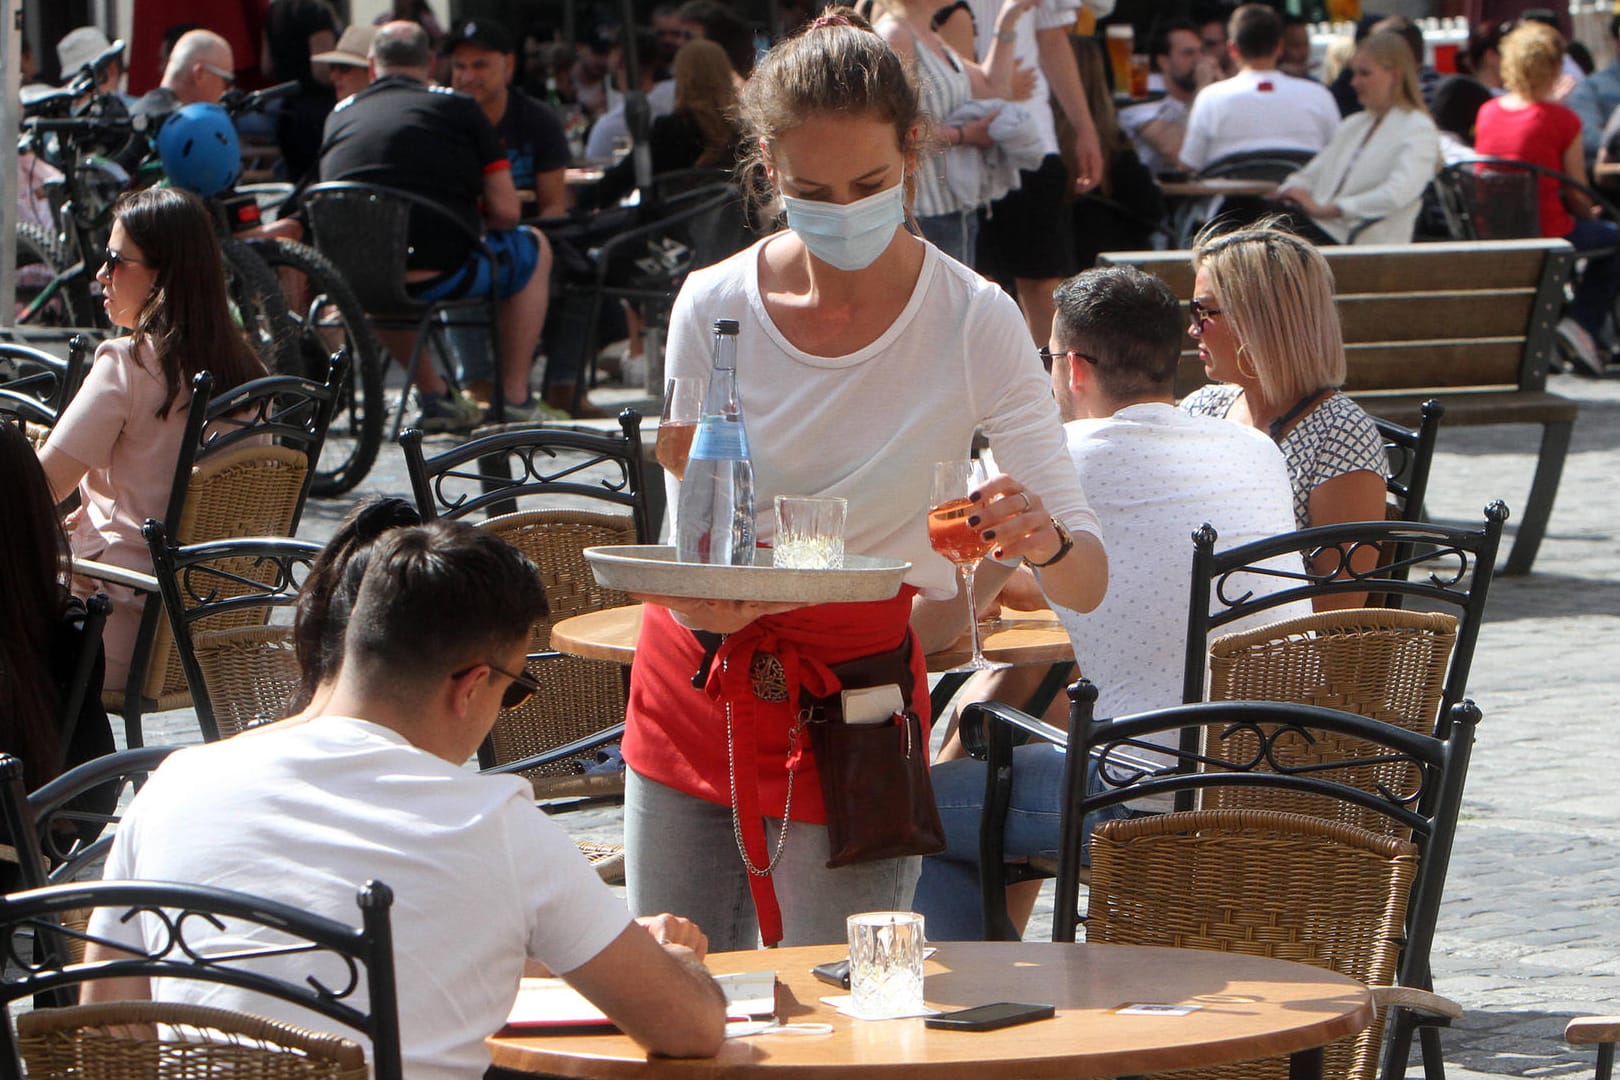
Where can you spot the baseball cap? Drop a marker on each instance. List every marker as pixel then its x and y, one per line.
pixel 484 33
pixel 352 49
pixel 78 47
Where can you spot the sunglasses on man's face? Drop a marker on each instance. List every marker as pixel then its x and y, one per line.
pixel 1047 356
pixel 521 689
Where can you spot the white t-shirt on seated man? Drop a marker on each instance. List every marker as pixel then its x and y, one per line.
pixel 483 881
pixel 1259 108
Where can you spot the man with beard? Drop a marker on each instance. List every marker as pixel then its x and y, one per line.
pixel 1155 128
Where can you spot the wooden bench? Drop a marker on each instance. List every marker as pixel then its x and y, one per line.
pixel 1470 324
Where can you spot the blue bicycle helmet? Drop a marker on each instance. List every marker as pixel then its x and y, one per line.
pixel 199 149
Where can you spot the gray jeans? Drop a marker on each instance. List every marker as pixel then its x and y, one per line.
pixel 681 857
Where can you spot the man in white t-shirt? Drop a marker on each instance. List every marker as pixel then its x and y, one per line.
pixel 1259 108
pixel 484 883
pixel 1153 474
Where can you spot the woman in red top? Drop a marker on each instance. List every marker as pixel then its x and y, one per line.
pixel 1526 125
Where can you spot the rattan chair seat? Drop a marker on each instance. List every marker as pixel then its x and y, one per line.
pixel 97 1042
pixel 1287 886
pixel 606 859
pixel 251 673
pixel 578 697
pixel 242 491
pixel 1383 663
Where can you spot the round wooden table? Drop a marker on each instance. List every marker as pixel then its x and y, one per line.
pixel 1248 1008
pixel 1026 638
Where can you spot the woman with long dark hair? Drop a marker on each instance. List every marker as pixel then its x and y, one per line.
pixel 40 646
pixel 118 440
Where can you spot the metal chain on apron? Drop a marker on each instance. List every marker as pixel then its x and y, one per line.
pixel 787 804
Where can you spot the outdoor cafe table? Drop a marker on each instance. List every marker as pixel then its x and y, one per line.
pixel 1248 1007
pixel 1023 638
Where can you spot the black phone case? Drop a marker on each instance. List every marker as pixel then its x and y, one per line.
pixel 955 1021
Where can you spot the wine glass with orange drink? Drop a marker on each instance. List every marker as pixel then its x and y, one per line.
pixel 950 534
pixel 683 408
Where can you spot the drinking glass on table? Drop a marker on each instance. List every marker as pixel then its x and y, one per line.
pixel 683 408
pixel 950 534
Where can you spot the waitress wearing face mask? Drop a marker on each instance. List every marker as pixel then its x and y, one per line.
pixel 864 357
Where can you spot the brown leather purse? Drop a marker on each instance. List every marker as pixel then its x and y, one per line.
pixel 874 777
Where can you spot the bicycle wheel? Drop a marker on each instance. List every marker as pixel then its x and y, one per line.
pixel 260 308
pixel 329 318
pixel 44 296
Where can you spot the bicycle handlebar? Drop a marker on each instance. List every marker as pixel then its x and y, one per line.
pixel 238 101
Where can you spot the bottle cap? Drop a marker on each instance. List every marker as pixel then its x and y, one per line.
pixel 725 326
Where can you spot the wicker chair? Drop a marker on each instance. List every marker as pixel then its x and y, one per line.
pixel 1261 871
pixel 1386 664
pixel 581 705
pixel 244 469
pixel 62 831
pixel 366 952
pixel 236 674
pixel 96 1042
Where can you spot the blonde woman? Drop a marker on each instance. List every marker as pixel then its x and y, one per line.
pixel 1268 334
pixel 1526 124
pixel 1366 186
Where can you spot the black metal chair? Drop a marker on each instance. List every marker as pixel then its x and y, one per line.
pixel 1456 565
pixel 62 830
pixel 365 229
pixel 245 671
pixel 1411 458
pixel 1413 779
pixel 34 373
pixel 246 463
pixel 187 913
pixel 691 219
pixel 581 705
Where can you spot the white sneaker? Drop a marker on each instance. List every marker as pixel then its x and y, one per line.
pixel 1579 347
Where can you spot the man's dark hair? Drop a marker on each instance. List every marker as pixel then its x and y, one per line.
pixel 436 598
pixel 1159 36
pixel 1614 27
pixel 722 26
pixel 1256 31
pixel 401 45
pixel 1130 321
pixel 1407 29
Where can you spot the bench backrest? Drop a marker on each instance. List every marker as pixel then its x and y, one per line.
pixel 1421 317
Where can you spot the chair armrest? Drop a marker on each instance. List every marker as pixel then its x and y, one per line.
pixel 1586 1030
pixel 118 575
pixel 560 753
pixel 1420 1001
pixel 975 737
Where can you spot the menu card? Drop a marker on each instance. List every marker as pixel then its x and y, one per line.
pixel 551 1003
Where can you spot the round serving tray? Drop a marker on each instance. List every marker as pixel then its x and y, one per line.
pixel 652 569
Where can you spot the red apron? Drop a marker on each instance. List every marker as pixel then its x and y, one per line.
pixel 677 734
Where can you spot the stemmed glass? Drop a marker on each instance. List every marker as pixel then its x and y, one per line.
pixel 683 408
pixel 950 534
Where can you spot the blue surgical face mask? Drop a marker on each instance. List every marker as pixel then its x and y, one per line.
pixel 853 235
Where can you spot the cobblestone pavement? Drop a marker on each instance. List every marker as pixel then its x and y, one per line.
pixel 1528 934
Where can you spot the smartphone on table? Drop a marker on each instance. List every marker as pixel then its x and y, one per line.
pixel 990 1017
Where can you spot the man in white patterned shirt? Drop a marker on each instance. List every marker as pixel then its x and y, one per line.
pixel 1153 474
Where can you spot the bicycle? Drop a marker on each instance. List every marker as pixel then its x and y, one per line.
pixel 293 303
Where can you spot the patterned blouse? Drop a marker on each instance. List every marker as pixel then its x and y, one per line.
pixel 1335 438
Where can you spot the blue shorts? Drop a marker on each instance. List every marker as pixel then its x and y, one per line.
pixel 517 253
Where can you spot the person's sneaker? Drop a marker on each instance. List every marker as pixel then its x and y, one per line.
pixel 534 411
pixel 1579 347
pixel 448 412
